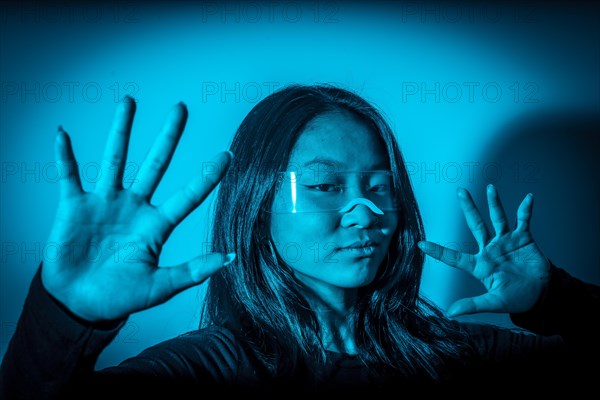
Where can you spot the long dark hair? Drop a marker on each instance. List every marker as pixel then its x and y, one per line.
pixel 398 330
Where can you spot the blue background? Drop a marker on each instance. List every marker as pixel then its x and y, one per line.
pixel 476 93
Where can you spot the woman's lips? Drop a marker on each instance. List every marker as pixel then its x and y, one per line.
pixel 362 251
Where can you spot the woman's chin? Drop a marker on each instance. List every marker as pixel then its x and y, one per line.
pixel 354 275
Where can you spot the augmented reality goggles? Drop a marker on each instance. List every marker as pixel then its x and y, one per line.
pixel 340 191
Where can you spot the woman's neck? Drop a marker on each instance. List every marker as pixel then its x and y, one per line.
pixel 333 307
pixel 338 335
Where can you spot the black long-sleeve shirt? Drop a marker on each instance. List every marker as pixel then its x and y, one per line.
pixel 52 351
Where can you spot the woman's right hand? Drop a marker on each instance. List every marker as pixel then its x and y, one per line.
pixel 115 235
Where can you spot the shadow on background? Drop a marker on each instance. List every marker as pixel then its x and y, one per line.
pixel 556 156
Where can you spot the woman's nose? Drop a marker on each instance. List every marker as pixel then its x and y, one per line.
pixel 359 216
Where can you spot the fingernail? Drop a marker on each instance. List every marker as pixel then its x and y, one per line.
pixel 421 245
pixel 60 132
pixel 230 153
pixel 460 191
pixel 228 259
pixel 451 312
pixel 490 187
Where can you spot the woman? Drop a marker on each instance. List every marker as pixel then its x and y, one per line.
pixel 315 278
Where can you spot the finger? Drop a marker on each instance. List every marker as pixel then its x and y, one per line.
pixel 524 213
pixel 497 214
pixel 453 258
pixel 70 181
pixel 478 304
pixel 178 206
pixel 473 217
pixel 156 162
pixel 115 153
pixel 169 281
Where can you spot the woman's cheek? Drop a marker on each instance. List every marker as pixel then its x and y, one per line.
pixel 305 239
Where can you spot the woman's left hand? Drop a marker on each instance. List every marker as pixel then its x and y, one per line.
pixel 509 264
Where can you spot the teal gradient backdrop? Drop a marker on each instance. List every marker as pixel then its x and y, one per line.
pixel 476 93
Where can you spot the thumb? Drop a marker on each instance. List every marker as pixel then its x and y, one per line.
pixel 171 280
pixel 486 302
pixel 460 307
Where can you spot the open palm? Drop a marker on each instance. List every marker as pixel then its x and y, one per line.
pixel 111 238
pixel 509 264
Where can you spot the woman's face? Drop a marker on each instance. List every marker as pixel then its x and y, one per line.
pixel 315 244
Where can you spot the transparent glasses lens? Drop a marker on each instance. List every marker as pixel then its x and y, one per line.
pixel 310 191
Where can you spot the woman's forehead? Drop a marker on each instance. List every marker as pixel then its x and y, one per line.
pixel 341 141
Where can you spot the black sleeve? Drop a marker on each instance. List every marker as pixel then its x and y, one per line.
pixel 52 355
pixel 50 347
pixel 556 343
pixel 569 307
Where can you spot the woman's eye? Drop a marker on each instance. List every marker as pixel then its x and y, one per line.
pixel 382 188
pixel 326 187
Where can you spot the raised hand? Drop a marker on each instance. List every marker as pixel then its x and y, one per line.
pixel 115 235
pixel 509 263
